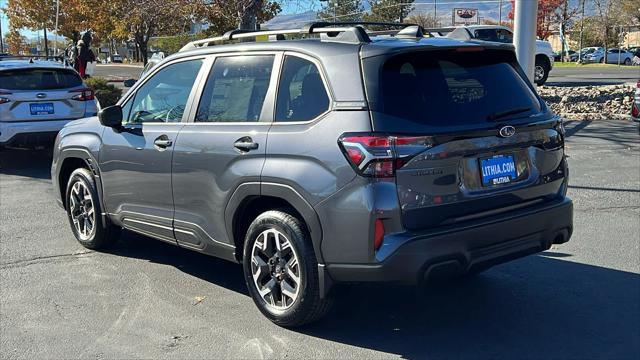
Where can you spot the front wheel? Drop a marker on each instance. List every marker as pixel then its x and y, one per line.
pixel 84 212
pixel 281 270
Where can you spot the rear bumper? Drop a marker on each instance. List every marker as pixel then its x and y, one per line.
pixel 30 132
pixel 412 258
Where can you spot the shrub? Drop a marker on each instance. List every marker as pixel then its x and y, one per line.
pixel 106 93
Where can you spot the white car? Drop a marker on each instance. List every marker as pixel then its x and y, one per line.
pixel 614 56
pixel 635 107
pixel 37 98
pixel 544 52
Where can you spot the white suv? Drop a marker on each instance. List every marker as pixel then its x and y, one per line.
pixel 496 33
pixel 37 98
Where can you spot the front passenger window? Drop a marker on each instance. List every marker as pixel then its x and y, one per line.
pixel 163 97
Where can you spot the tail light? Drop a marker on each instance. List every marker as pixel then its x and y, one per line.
pixel 635 111
pixel 380 156
pixel 85 94
pixel 3 99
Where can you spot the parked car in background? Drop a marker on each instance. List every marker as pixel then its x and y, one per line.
pixel 368 174
pixel 37 98
pixel 614 56
pixel 545 56
pixel 115 58
pixel 573 55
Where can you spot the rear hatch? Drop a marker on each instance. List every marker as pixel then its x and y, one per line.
pixel 37 94
pixel 469 136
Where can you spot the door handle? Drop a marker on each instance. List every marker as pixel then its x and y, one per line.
pixel 162 142
pixel 245 144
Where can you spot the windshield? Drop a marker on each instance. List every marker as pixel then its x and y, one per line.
pixel 39 79
pixel 429 90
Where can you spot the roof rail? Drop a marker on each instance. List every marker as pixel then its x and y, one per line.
pixel 350 32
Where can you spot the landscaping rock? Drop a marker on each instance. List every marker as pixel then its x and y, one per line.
pixel 589 102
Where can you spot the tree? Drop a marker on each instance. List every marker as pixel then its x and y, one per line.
pixel 342 10
pixel 546 16
pixel 607 12
pixel 389 10
pixel 16 43
pixel 224 15
pixel 630 12
pixel 423 19
pixel 564 16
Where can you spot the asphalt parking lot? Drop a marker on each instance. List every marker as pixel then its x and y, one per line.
pixel 146 299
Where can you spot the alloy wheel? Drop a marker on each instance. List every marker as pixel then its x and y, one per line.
pixel 82 210
pixel 275 270
pixel 538 73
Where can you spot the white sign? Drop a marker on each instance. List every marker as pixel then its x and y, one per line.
pixel 465 16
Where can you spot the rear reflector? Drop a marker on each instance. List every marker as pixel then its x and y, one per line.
pixel 378 235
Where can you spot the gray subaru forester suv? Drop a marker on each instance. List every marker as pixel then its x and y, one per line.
pixel 343 155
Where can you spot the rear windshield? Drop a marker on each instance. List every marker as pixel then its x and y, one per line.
pixel 39 79
pixel 433 90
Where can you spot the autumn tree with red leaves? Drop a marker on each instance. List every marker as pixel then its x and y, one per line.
pixel 546 16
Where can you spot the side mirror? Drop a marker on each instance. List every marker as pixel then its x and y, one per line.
pixel 129 83
pixel 111 116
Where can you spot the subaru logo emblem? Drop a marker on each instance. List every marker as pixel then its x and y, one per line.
pixel 507 131
pixel 41 95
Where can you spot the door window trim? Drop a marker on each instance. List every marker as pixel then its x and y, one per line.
pixel 130 96
pixel 324 78
pixel 268 109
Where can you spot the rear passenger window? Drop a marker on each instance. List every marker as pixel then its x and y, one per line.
pixel 236 89
pixel 301 94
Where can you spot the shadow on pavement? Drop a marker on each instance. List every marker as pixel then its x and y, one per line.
pixel 28 163
pixel 535 307
pixel 605 132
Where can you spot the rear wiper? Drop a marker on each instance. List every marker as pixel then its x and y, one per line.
pixel 501 114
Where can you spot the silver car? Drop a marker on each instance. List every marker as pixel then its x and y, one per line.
pixel 37 98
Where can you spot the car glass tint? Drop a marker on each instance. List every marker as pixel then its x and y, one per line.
pixel 497 35
pixel 420 91
pixel 236 89
pixel 39 79
pixel 301 94
pixel 163 97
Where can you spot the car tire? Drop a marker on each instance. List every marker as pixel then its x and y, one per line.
pixel 281 270
pixel 602 61
pixel 90 228
pixel 627 61
pixel 541 72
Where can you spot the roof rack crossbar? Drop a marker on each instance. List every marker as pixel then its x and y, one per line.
pixel 318 27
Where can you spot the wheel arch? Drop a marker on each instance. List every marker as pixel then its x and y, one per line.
pixel 70 160
pixel 251 199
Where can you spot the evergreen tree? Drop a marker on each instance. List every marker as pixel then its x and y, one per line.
pixel 342 10
pixel 389 10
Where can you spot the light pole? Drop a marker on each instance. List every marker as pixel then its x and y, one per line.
pixel 500 13
pixel 524 37
pixel 55 42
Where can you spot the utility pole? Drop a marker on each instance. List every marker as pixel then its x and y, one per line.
pixel 581 32
pixel 1 40
pixel 435 11
pixel 524 39
pixel 500 14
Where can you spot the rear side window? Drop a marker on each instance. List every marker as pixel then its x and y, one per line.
pixel 497 35
pixel 236 89
pixel 433 90
pixel 39 79
pixel 301 93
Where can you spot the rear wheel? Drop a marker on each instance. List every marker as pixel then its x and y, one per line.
pixel 84 212
pixel 541 72
pixel 281 270
pixel 627 61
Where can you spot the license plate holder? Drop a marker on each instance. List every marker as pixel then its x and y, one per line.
pixel 498 170
pixel 41 109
